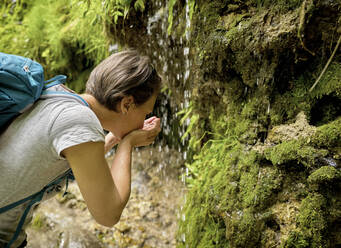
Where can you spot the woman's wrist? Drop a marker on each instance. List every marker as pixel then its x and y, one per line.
pixel 127 141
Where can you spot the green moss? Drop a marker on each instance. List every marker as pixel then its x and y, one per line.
pixel 237 25
pixel 330 82
pixel 325 174
pixel 312 223
pixel 282 5
pixel 296 240
pixel 170 15
pixel 38 222
pixel 232 188
pixel 258 186
pixel 328 135
pixel 293 150
pixel 240 230
pixel 286 106
pixel 247 83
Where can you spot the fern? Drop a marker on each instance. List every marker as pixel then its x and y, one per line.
pixel 171 4
pixel 191 8
pixel 61 34
pixel 139 5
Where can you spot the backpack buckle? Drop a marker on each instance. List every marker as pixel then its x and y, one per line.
pixel 26 68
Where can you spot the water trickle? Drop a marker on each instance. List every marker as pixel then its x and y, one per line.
pixel 183 237
pixel 245 90
pixel 330 161
pixel 188 22
pixel 186 51
pixel 171 55
pixel 165 68
pixel 268 110
pixel 113 48
pixel 183 178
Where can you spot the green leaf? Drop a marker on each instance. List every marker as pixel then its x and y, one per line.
pixel 139 5
pixel 118 13
pixel 170 15
pixel 126 10
pixel 46 53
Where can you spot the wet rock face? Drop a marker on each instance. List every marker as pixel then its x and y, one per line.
pixel 299 129
pixel 267 173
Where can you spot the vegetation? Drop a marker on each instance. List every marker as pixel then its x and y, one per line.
pixel 38 222
pixel 247 189
pixel 250 184
pixel 67 37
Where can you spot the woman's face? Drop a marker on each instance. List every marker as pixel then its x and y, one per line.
pixel 130 117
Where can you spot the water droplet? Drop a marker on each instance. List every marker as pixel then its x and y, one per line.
pixel 186 51
pixel 330 161
pixel 165 68
pixel 268 110
pixel 113 48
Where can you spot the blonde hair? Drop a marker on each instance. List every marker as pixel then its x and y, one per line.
pixel 123 74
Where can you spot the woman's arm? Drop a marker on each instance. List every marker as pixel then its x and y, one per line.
pixel 106 190
pixel 95 181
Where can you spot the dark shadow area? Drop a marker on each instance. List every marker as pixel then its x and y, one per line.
pixel 327 109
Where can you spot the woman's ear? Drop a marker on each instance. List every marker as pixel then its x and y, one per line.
pixel 127 103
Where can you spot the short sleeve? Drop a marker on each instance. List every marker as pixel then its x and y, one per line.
pixel 75 125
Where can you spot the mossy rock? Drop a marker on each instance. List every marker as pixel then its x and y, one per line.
pixel 328 135
pixel 324 175
pixel 294 151
pixel 312 224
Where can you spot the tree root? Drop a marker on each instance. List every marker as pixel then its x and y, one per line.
pixel 326 66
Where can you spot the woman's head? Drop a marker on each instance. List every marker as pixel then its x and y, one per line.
pixel 123 74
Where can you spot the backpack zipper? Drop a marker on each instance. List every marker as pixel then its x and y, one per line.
pixel 26 68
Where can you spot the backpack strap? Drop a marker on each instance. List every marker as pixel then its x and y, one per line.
pixel 68 175
pixel 59 79
pixel 37 197
pixel 51 93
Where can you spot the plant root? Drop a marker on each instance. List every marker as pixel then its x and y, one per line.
pixel 326 66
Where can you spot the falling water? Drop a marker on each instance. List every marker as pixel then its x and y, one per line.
pixel 171 55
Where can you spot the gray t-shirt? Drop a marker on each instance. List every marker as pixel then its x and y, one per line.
pixel 30 152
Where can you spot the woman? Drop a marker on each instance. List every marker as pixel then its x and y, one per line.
pixel 67 131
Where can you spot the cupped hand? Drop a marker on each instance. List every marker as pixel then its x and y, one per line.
pixel 146 135
pixel 110 141
pixel 152 122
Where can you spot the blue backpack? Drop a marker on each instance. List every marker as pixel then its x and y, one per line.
pixel 21 84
